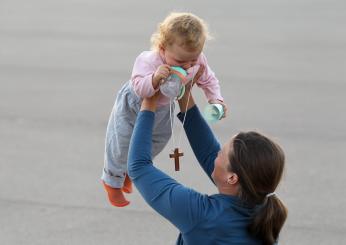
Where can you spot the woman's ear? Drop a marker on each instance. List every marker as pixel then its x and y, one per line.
pixel 232 179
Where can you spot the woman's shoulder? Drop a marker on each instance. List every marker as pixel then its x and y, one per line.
pixel 222 216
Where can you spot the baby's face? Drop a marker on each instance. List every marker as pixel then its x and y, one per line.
pixel 176 55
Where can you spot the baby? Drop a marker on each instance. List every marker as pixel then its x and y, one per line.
pixel 178 41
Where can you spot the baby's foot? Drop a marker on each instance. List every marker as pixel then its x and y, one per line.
pixel 116 196
pixel 127 185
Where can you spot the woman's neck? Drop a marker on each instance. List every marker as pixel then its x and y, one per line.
pixel 228 189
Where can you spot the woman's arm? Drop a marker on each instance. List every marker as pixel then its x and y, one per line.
pixel 180 205
pixel 201 138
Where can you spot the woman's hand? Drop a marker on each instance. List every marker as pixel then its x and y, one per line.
pixel 186 102
pixel 150 104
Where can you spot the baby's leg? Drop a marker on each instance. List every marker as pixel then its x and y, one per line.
pixel 119 131
pixel 115 166
pixel 116 150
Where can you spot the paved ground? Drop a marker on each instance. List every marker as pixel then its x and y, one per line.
pixel 282 68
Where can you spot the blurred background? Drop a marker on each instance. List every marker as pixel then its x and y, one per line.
pixel 281 64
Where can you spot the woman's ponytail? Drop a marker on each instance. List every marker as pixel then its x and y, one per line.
pixel 269 220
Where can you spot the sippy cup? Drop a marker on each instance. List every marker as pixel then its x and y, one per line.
pixel 213 112
pixel 173 86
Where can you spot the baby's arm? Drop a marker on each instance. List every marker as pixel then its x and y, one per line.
pixel 210 84
pixel 147 74
pixel 208 81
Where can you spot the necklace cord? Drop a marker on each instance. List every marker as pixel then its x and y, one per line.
pixel 171 115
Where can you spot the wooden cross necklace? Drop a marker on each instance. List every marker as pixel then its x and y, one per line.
pixel 176 154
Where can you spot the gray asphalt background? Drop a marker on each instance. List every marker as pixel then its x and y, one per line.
pixel 281 64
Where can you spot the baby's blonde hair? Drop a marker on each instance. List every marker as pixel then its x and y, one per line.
pixel 186 28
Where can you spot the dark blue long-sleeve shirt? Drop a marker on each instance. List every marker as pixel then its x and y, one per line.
pixel 201 219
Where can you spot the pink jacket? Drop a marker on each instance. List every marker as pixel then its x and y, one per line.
pixel 148 61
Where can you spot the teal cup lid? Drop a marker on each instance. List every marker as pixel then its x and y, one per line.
pixel 213 112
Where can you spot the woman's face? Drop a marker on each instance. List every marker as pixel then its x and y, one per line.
pixel 176 55
pixel 221 173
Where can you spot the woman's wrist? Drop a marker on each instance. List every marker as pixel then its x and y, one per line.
pixel 150 104
pixel 187 101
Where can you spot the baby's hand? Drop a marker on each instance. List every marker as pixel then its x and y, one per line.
pixel 160 75
pixel 223 105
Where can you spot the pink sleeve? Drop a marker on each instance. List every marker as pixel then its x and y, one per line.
pixel 142 74
pixel 208 81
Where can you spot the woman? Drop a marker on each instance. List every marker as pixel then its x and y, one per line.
pixel 246 172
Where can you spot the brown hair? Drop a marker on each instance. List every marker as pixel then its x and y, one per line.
pixel 259 163
pixel 190 30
